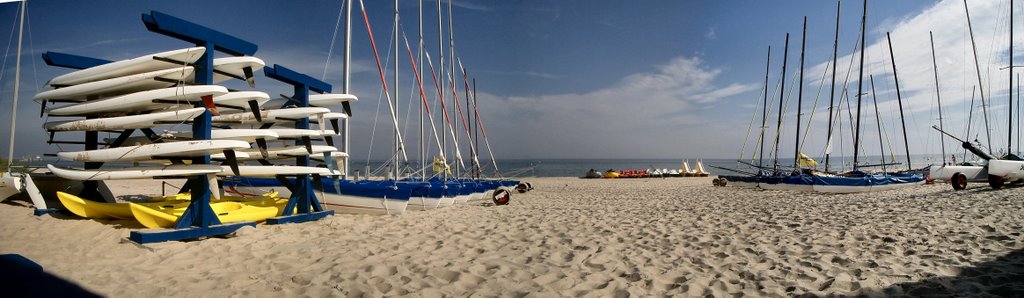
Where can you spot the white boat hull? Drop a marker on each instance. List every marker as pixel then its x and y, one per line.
pixel 476 196
pixel 786 186
pixel 1010 170
pixel 10 185
pixel 446 202
pixel 362 205
pixel 973 173
pixel 423 203
pixel 857 189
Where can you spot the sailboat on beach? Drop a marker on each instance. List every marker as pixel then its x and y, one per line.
pixel 805 179
pixel 13 183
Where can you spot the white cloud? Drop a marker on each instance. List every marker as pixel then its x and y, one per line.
pixel 957 76
pixel 642 115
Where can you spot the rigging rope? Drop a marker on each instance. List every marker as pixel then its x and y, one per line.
pixel 380 70
pixel 334 37
pixel 746 137
pixel 444 109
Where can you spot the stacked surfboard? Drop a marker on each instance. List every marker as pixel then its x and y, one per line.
pixel 144 93
pixel 280 116
pixel 140 94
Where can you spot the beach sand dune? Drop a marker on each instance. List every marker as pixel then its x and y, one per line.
pixel 571 237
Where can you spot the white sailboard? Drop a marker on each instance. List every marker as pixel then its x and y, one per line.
pixel 118 85
pixel 154 151
pixel 134 172
pixel 149 100
pixel 286 152
pixel 270 115
pixel 318 100
pixel 145 63
pixel 271 171
pixel 124 122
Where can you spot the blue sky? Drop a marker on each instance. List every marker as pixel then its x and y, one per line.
pixel 564 79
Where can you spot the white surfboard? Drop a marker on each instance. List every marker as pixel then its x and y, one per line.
pixel 317 119
pixel 145 63
pixel 336 155
pixel 271 171
pixel 153 151
pixel 239 100
pixel 141 101
pixel 286 152
pixel 248 135
pixel 333 115
pixel 297 133
pixel 124 122
pixel 134 172
pixel 317 100
pixel 117 86
pixel 270 115
pixel 235 66
pixel 238 156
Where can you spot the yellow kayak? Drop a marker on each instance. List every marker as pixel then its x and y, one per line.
pixel 101 210
pixel 167 216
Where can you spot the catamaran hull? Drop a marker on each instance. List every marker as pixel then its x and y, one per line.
pixel 476 196
pixel 973 173
pixel 10 186
pixel 786 186
pixel 446 202
pixel 1010 170
pixel 423 203
pixel 858 189
pixel 877 182
pixel 363 205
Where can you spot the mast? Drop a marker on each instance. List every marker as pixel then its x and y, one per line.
pixel 423 141
pixel 832 93
pixel 935 66
pixel 17 83
pixel 451 55
pixel 800 98
pixel 1009 95
pixel 764 108
pixel 860 85
pixel 878 121
pixel 899 100
pixel 346 77
pixel 981 88
pixel 469 129
pixel 782 94
pixel 394 170
pixel 476 132
pixel 440 94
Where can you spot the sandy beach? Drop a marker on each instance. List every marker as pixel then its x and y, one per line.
pixel 570 237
